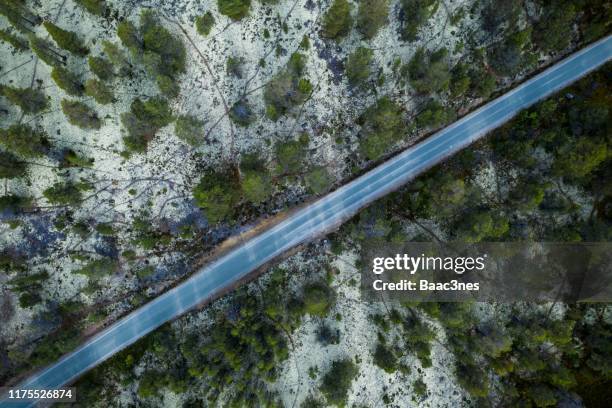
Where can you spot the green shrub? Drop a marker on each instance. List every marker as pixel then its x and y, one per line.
pixel 318 180
pixel 97 7
pixel 81 115
pixel 419 388
pixel 429 72
pixel 24 141
pixel 434 114
pixel 290 156
pixel 28 286
pixel 555 29
pixel 415 14
pixel 482 82
pixel 479 225
pixel 130 37
pixel 98 269
pixel 189 129
pixel 508 57
pixel 318 299
pixel 143 121
pixel 70 158
pixel 337 20
pixel 381 127
pixel 358 68
pixel 117 57
pixel 28 99
pixel 66 193
pixel 105 229
pixel 287 88
pixel 498 14
pixel 99 91
pixel 66 40
pixel 67 81
pixel 205 23
pixel 460 80
pixel 337 381
pixel 17 13
pixel 385 359
pixel 15 203
pixel 11 166
pixel 234 9
pixel 18 43
pixel 45 51
pixel 371 16
pixel 217 194
pixel 101 67
pixel 256 180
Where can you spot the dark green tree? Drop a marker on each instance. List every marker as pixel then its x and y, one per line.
pixel 217 194
pixel 234 9
pixel 318 180
pixel 68 81
pixel 318 299
pixel 205 23
pixel 63 193
pixel 96 7
pixel 429 72
pixel 190 129
pixel 24 141
pixel 99 91
pixel 28 99
pixel 499 15
pixel 415 14
pixel 384 358
pixel 382 125
pixel 290 156
pixel 337 381
pixel 143 121
pixel 256 179
pixel 508 57
pixel 358 66
pixel 554 31
pixel 15 203
pixel 11 166
pixel 117 57
pixel 46 51
pixel 81 115
pixel 434 114
pixel 161 54
pixel 18 43
pixel 288 88
pixel 70 158
pixel 101 67
pixel 337 20
pixel 66 40
pixel 460 80
pixel 19 15
pixel 371 16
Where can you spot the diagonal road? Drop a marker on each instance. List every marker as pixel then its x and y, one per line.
pixel 315 219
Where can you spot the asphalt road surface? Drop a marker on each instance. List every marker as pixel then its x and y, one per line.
pixel 314 220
